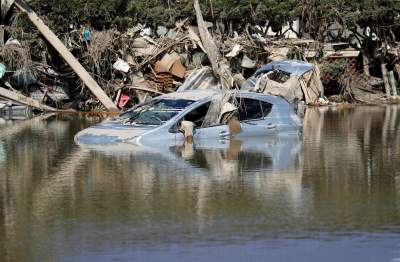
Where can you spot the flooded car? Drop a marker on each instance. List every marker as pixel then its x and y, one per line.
pixel 159 120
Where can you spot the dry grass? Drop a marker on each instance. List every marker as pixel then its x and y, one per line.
pixel 15 57
pixel 101 42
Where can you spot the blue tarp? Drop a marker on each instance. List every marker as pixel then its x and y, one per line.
pixel 87 34
pixel 293 67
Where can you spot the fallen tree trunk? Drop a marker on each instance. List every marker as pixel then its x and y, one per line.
pixel 207 40
pixel 220 70
pixel 25 100
pixel 67 55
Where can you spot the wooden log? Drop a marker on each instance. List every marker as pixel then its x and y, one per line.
pixel 393 83
pixel 207 40
pixel 220 69
pixel 385 77
pixel 67 55
pixel 25 100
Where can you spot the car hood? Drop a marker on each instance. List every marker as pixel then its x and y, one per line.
pixel 110 133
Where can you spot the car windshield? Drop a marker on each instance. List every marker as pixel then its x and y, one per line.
pixel 156 112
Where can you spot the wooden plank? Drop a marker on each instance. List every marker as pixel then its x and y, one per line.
pixel 25 100
pixel 5 7
pixel 67 55
pixel 303 86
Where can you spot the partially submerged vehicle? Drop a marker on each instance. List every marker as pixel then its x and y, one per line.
pixel 294 80
pixel 291 79
pixel 211 113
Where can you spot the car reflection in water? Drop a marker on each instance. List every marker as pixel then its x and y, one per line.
pixel 225 158
pixel 341 177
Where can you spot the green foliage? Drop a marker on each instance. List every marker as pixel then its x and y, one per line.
pixel 334 69
pixel 381 16
pixel 61 14
pixel 105 13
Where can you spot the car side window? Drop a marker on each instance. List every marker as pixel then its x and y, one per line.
pixel 197 116
pixel 252 109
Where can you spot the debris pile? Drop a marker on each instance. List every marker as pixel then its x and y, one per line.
pixel 141 62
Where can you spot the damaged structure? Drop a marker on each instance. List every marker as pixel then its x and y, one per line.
pixel 293 80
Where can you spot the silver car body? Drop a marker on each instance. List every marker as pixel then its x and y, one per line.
pixel 281 120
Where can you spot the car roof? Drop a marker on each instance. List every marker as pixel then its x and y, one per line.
pixel 198 95
pixel 195 95
pixel 293 67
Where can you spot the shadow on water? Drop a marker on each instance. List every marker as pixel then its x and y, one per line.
pixel 338 182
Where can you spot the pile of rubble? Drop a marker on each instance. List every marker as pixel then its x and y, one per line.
pixel 133 66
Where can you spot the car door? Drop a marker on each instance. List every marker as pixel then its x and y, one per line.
pixel 212 132
pixel 254 116
pixel 197 116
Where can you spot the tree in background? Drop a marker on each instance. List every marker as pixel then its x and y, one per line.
pixel 355 20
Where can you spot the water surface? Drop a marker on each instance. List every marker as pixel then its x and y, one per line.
pixel 332 194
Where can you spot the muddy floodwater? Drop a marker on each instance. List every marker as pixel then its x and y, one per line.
pixel 332 194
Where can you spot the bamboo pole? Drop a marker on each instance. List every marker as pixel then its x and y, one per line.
pixel 67 55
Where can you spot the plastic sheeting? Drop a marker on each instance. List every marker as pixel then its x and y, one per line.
pixel 293 67
pixel 201 79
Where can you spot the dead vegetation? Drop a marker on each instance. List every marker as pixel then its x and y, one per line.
pixel 16 56
pixel 98 49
